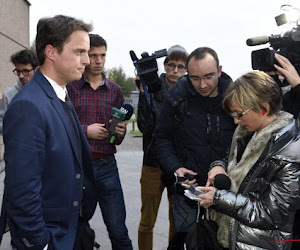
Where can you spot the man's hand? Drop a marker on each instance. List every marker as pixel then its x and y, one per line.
pixel 121 128
pixel 181 172
pixel 97 131
pixel 212 173
pixel 288 71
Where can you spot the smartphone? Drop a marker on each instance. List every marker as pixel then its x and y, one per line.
pixel 193 189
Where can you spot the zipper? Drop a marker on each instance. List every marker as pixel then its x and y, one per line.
pixel 208 129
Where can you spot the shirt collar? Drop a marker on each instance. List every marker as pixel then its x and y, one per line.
pixel 104 82
pixel 59 91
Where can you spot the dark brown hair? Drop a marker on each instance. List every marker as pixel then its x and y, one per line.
pixel 56 32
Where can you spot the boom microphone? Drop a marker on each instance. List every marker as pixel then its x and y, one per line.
pixel 257 40
pixel 222 181
pixel 118 115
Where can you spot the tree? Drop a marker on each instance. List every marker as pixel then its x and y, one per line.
pixel 118 75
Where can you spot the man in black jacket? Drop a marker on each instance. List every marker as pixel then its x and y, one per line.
pixel 291 104
pixel 193 130
pixel 148 111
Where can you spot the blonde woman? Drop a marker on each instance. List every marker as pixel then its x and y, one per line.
pixel 264 166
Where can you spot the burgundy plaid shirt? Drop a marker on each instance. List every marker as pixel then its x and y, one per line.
pixel 94 106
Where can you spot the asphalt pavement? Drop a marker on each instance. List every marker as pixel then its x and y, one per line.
pixel 129 160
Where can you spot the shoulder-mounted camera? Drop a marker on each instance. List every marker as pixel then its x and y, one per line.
pixel 147 68
pixel 287 44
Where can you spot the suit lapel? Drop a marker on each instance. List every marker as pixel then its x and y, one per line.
pixel 56 103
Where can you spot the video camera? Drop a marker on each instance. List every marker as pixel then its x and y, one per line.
pixel 287 45
pixel 147 68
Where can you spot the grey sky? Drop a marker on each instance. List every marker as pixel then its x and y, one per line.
pixel 143 25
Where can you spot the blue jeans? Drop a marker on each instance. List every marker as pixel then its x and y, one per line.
pixel 111 202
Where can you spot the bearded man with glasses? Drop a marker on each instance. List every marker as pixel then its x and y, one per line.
pixel 25 62
pixel 192 132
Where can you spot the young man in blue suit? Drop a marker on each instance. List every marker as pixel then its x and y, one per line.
pixel 49 176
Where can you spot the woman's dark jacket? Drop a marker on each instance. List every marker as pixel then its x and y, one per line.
pixel 193 131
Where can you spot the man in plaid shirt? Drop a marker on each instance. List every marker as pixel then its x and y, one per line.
pixel 93 98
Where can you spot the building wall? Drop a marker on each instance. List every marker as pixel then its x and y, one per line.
pixel 14 36
pixel 133 99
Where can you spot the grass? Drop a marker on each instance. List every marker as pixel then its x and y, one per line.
pixel 135 132
pixel 132 120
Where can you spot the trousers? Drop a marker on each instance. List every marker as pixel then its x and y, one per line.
pixel 111 201
pixel 151 193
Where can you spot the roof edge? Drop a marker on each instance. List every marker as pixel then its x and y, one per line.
pixel 27 2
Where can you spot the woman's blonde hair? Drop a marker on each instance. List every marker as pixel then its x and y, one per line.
pixel 251 90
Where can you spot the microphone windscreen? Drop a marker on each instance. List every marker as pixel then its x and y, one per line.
pixel 222 181
pixel 257 40
pixel 128 110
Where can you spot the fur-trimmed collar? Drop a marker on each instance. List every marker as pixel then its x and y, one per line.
pixel 254 148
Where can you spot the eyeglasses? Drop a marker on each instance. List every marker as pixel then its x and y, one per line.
pixel 206 78
pixel 239 115
pixel 25 72
pixel 172 66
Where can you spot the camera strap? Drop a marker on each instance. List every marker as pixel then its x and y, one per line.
pixel 147 95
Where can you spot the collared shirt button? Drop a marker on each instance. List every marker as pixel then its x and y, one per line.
pixel 78 176
pixel 75 203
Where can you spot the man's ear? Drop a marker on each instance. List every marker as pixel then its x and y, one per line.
pixel 50 52
pixel 165 67
pixel 219 70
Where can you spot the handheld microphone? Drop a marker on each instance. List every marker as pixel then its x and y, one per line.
pixel 222 181
pixel 118 115
pixel 257 40
pixel 128 110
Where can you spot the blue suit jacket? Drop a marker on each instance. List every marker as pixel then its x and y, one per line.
pixel 45 181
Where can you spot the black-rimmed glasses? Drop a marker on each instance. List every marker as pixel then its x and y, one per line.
pixel 25 72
